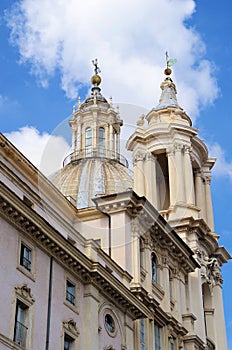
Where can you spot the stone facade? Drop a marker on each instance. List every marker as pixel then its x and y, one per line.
pixel 130 269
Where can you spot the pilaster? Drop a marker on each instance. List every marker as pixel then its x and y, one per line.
pixel 188 174
pixel 150 178
pixel 91 301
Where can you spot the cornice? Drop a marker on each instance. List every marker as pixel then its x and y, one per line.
pixel 146 218
pixel 54 244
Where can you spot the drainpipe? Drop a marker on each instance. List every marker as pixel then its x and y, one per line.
pixel 109 225
pixel 49 304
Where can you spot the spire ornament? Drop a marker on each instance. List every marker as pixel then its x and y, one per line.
pixel 96 79
pixel 169 62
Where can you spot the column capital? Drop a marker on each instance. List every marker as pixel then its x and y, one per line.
pixel 170 151
pixel 139 156
pixel 187 149
pixel 150 156
pixel 208 179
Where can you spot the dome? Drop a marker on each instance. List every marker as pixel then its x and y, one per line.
pixel 87 178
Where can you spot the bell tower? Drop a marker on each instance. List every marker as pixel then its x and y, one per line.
pixel 171 164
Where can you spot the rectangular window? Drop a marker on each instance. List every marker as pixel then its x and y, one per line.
pixel 172 345
pixel 158 337
pixel 20 330
pixel 26 257
pixel 70 292
pixel 68 341
pixel 142 335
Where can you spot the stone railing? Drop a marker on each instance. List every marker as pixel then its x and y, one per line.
pixel 95 152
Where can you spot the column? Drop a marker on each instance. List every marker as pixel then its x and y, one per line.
pixel 79 138
pixel 94 133
pixel 90 317
pixel 139 185
pixel 166 285
pixel 219 321
pixel 200 203
pixel 150 178
pixel 180 174
pixel 118 143
pixel 196 303
pixel 73 139
pixel 147 261
pixel 111 139
pixel 135 253
pixel 188 174
pixel 172 176
pixel 208 202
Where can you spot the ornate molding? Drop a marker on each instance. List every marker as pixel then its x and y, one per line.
pixel 37 229
pixel 71 326
pixel 25 293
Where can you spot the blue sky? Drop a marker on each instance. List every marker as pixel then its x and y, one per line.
pixel 46 49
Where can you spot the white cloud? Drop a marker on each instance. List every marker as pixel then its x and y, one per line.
pixel 223 167
pixel 45 151
pixel 129 38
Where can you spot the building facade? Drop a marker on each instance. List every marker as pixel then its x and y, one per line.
pixel 104 257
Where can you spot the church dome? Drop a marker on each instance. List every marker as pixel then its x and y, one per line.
pixel 95 166
pixel 87 178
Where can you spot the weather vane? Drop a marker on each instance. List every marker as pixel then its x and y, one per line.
pixel 96 68
pixel 170 61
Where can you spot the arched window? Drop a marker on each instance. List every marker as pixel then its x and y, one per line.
pixel 101 137
pixel 154 268
pixel 88 141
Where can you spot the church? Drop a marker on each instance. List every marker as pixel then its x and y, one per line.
pixel 101 256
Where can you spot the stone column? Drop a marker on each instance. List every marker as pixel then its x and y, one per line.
pixel 150 178
pixel 219 321
pixel 208 202
pixel 166 284
pixel 118 143
pixel 135 253
pixel 188 174
pixel 111 139
pixel 139 185
pixel 200 202
pixel 79 138
pixel 196 303
pixel 90 312
pixel 179 174
pixel 74 136
pixel 107 137
pixel 147 263
pixel 94 132
pixel 172 176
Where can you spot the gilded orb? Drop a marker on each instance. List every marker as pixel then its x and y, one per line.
pixel 96 79
pixel 167 71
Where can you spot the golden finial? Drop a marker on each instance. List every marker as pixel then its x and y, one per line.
pixel 96 79
pixel 168 70
pixel 169 62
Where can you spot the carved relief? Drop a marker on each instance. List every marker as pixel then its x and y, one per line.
pixel 210 269
pixel 71 326
pixel 25 292
pixel 140 121
pixel 140 156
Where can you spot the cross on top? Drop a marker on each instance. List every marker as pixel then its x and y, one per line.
pixel 96 68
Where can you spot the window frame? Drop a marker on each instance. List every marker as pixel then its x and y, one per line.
pixel 158 334
pixel 142 342
pixel 154 263
pixel 76 284
pixel 70 330
pixel 23 326
pixel 22 242
pixel 88 140
pixel 22 296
